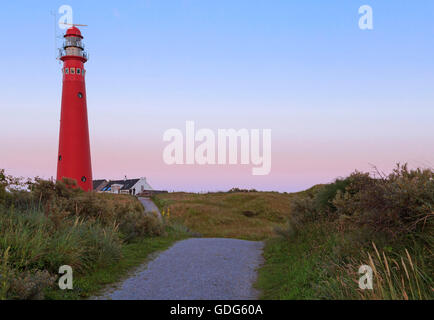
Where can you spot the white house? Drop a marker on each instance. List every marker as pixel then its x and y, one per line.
pixel 126 186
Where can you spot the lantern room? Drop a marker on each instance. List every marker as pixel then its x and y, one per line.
pixel 73 45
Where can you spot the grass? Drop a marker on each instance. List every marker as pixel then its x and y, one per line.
pixel 293 270
pixel 100 236
pixel 133 255
pixel 383 222
pixel 243 215
pixel 316 240
pixel 316 265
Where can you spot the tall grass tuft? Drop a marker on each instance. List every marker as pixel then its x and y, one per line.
pixel 395 277
pixel 5 274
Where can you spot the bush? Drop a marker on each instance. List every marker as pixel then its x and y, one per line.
pixel 22 285
pixel 323 199
pixel 315 204
pixel 303 210
pixel 56 223
pixel 2 186
pixel 30 285
pixel 401 203
pixel 134 225
pixel 36 243
pixel 398 204
pixel 62 199
pixel 396 212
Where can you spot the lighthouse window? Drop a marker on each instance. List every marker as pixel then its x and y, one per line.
pixel 72 70
pixel 78 70
pixel 83 179
pixel 66 70
pixel 60 158
pixel 80 95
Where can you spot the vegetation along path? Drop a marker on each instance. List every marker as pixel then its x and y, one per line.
pixel 194 269
pixel 150 207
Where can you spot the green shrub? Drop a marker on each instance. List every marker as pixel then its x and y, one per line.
pixel 303 210
pixel 323 199
pixel 396 212
pixel 61 200
pixel 30 285
pixel 137 225
pixel 35 243
pixel 398 204
pixel 401 203
pixel 54 224
pixel 2 186
pixel 316 204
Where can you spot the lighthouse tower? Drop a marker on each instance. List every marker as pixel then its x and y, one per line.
pixel 74 148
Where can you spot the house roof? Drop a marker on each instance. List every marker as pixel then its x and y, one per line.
pixel 127 184
pixel 98 183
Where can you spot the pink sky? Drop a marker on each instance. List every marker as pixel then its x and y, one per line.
pixel 336 98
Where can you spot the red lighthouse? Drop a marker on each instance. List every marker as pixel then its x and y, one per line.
pixel 74 148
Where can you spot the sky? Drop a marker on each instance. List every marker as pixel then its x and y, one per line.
pixel 336 98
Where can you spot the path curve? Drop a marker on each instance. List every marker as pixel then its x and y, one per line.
pixel 196 269
pixel 150 207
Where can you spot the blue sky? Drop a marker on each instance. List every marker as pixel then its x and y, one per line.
pixel 337 98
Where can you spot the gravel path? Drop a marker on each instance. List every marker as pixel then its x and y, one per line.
pixel 150 207
pixel 195 269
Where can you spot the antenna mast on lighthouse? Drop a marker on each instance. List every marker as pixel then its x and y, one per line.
pixel 74 160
